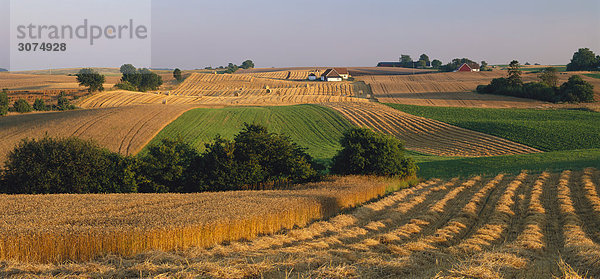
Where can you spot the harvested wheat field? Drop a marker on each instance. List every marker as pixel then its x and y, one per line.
pixel 530 225
pixel 128 98
pixel 31 82
pixel 426 135
pixel 125 130
pixel 55 228
pixel 246 85
pixel 454 89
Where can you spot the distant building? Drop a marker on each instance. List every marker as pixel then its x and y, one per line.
pixel 312 76
pixel 343 72
pixel 468 67
pixel 331 75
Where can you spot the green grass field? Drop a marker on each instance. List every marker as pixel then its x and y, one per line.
pixel 594 75
pixel 314 127
pixel 548 130
pixel 539 69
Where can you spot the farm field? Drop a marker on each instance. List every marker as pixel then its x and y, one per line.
pixel 43 82
pixel 354 71
pixel 128 98
pixel 529 225
pixel 55 228
pixel 548 129
pixel 454 89
pixel 125 130
pixel 428 136
pixel 314 127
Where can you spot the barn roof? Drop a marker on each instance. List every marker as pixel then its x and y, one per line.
pixel 342 71
pixel 472 66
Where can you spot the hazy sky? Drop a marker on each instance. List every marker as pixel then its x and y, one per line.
pixel 194 34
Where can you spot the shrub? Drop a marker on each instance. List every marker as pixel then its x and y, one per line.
pixel 177 74
pixel 367 152
pixel 39 105
pixel 68 165
pixel 126 85
pixel 22 106
pixel 4 102
pixel 576 90
pixel 167 167
pixel 63 103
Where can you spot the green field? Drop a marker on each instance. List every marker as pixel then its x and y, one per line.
pixel 595 75
pixel 548 130
pixel 314 127
pixel 539 69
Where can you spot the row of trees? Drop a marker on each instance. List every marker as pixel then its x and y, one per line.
pixel 22 106
pixel 254 159
pixel 407 62
pixel 575 90
pixel 232 68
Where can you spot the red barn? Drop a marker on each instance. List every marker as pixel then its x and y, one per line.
pixel 470 67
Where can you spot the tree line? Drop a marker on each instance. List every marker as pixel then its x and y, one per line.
pixel 254 159
pixel 575 90
pixel 22 106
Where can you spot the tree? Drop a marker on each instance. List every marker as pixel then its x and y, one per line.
pixel 4 102
pixel 406 61
pixel 421 64
pixel 577 90
pixel 22 106
pixel 367 152
pixel 177 74
pixel 514 73
pixel 584 60
pixel 436 63
pixel 549 76
pixel 425 58
pixel 131 75
pixel 231 68
pixel 90 78
pixel 168 167
pixel 39 105
pixel 248 64
pixel 63 103
pixel 456 62
pixel 484 66
pixel 149 80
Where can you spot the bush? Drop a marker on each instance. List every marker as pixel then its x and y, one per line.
pixel 67 165
pixel 126 85
pixel 63 103
pixel 168 168
pixel 370 153
pixel 577 90
pixel 4 102
pixel 39 105
pixel 22 106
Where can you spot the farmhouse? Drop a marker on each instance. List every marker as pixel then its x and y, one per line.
pixel 331 75
pixel 343 72
pixel 468 67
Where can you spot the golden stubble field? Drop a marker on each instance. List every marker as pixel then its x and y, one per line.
pixel 530 225
pixel 426 135
pixel 123 129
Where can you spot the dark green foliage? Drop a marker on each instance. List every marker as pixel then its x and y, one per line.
pixel 126 85
pixel 406 61
pixel 248 64
pixel 167 167
pixel 39 105
pixel 177 74
pixel 63 103
pixel 577 90
pixel 231 68
pixel 367 152
pixel 91 79
pixel 514 73
pixel 140 79
pixel 549 76
pixel 584 60
pixel 4 102
pixel 22 106
pixel 436 64
pixel 484 66
pixel 66 166
pixel 255 157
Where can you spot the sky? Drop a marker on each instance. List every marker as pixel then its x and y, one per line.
pixel 193 34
